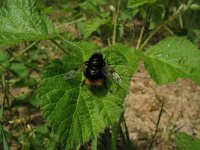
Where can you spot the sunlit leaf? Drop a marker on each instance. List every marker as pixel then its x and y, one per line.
pixel 172 58
pixel 76 112
pixel 21 20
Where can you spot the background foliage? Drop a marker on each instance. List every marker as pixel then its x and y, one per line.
pixel 133 23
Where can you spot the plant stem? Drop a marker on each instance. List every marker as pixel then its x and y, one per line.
pixel 5 89
pixel 157 124
pixel 142 30
pixel 115 20
pixel 94 143
pixel 59 46
pixel 158 29
pixel 72 22
pixel 114 137
pixel 140 38
pixel 181 9
pixel 22 51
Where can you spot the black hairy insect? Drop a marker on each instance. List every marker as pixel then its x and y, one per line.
pixel 95 70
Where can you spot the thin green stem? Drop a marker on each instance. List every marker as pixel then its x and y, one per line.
pixel 158 29
pixel 72 22
pixel 115 21
pixel 121 133
pixel 22 51
pixel 169 30
pixel 114 136
pixel 126 133
pixel 94 143
pixel 142 30
pixel 5 87
pixel 59 46
pixel 5 90
pixel 157 124
pixel 181 9
pixel 180 21
pixel 140 38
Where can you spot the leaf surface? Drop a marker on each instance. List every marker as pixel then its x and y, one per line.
pixel 20 20
pixel 19 69
pixel 137 3
pixel 92 25
pixel 172 58
pixel 157 12
pixel 186 142
pixel 79 113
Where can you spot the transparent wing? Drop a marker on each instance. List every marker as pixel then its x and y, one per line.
pixel 74 72
pixel 110 73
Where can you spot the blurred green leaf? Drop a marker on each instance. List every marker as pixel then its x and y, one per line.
pixel 91 7
pixel 137 3
pixel 4 61
pixel 194 35
pixel 195 7
pixel 1 112
pixel 128 13
pixel 186 142
pixel 29 82
pixel 42 129
pixel 157 13
pixel 120 28
pixel 92 25
pixel 34 100
pixel 19 69
pixel 172 58
pixel 3 138
pixel 3 56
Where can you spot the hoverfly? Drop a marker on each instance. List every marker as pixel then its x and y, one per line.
pixel 95 70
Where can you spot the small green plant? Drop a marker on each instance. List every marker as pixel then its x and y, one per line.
pixel 76 113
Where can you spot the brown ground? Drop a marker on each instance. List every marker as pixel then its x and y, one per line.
pixel 181 110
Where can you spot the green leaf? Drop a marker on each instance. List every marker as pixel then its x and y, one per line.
pixel 92 25
pixel 19 69
pixel 157 13
pixel 4 140
pixel 4 61
pixel 91 7
pixel 20 20
pixel 1 112
pixel 42 129
pixel 194 35
pixel 29 82
pixel 98 2
pixel 186 142
pixel 172 58
pixel 137 3
pixel 3 56
pixel 76 112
